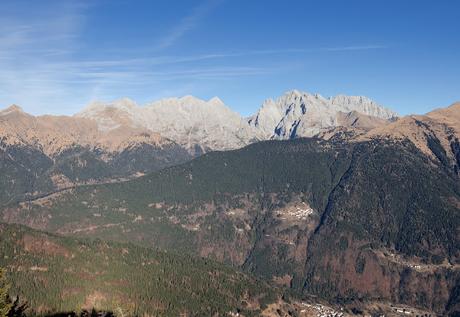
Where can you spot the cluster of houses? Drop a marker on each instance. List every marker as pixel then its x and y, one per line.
pixel 404 311
pixel 320 311
pixel 299 213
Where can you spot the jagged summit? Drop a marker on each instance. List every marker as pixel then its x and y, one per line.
pixel 194 123
pixel 127 104
pixel 216 101
pixel 202 125
pixel 363 105
pixel 298 113
pixel 187 101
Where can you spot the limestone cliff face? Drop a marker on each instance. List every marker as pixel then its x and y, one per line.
pixel 300 114
pixel 197 125
pixel 202 126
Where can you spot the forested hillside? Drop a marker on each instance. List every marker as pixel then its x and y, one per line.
pixel 300 213
pixel 53 274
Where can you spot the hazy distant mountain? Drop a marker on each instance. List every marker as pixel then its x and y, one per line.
pixel 197 125
pixel 300 114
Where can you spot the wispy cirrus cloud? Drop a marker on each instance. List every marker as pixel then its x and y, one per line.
pixel 165 60
pixel 187 23
pixel 30 43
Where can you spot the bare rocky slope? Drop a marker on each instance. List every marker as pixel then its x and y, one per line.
pixel 300 114
pixel 197 125
pixel 436 134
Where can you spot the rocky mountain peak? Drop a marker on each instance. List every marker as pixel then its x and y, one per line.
pixel 187 102
pixel 194 123
pixel 363 105
pixel 202 125
pixel 11 109
pixel 216 101
pixel 304 114
pixel 124 104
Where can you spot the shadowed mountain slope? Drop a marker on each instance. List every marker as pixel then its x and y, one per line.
pixel 302 213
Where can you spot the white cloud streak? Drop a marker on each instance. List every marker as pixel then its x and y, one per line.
pixel 187 24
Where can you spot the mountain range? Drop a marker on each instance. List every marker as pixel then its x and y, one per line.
pixel 196 125
pixel 201 126
pixel 332 198
pixel 121 140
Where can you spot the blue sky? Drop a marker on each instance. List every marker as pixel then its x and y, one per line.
pixel 56 56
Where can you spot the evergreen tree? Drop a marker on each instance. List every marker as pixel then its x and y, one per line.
pixel 5 303
pixel 18 308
